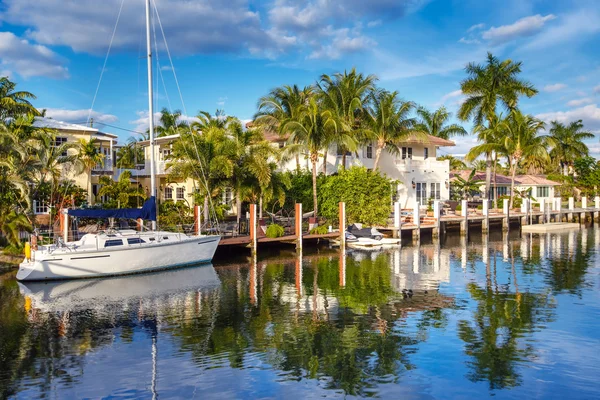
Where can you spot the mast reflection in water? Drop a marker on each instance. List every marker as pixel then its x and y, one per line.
pixel 512 317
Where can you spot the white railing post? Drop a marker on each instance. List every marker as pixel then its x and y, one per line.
pixel 464 211
pixel 397 218
pixel 65 215
pixel 584 202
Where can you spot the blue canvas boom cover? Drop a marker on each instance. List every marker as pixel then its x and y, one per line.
pixel 147 212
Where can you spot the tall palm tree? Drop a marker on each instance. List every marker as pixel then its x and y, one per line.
pixel 468 185
pixel 130 155
pixel 567 143
pixel 170 123
pixel 455 163
pixel 206 120
pixel 14 103
pixel 520 140
pixel 386 121
pixel 436 123
pixel 88 157
pixel 345 94
pixel 312 134
pixel 487 85
pixel 281 105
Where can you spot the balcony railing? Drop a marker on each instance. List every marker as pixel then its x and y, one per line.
pixel 409 164
pixel 103 167
pixel 144 169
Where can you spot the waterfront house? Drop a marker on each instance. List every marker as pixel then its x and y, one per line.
pixel 542 189
pixel 419 175
pixel 72 133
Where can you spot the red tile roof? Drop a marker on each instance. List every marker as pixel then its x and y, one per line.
pixel 520 180
pixel 535 180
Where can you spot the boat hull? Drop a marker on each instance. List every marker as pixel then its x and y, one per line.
pixel 130 260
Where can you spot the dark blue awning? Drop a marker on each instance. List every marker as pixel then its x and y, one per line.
pixel 147 212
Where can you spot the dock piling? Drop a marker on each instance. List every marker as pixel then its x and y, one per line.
pixel 464 223
pixel 253 233
pixel 436 214
pixel 342 217
pixel 397 219
pixel 417 220
pixel 571 207
pixel 505 212
pixel 298 225
pixel 485 224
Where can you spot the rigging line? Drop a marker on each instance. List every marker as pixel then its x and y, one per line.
pixel 105 61
pixel 204 180
pixel 158 66
pixel 112 126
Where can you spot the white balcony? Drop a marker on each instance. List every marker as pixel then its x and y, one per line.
pixel 104 167
pixel 144 169
pixel 428 165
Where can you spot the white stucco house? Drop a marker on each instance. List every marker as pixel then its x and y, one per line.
pixel 419 174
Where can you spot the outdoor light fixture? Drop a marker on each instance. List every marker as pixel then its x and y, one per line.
pixel 414 185
pixel 446 184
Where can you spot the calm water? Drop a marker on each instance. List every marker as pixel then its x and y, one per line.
pixel 512 318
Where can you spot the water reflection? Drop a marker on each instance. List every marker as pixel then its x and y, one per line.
pixel 341 322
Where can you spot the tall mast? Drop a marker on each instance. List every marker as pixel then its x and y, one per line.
pixel 150 108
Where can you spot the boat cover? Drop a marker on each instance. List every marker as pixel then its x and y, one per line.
pixel 147 212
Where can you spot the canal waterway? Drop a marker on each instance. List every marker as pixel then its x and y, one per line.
pixel 509 317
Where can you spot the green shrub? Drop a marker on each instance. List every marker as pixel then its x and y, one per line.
pixel 517 201
pixel 459 208
pixel 480 207
pixel 14 250
pixel 366 193
pixel 274 231
pixel 319 230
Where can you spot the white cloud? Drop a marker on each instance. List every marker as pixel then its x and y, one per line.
pixel 469 41
pixel 79 116
pixel 569 28
pixel 590 115
pixel 554 87
pixel 580 102
pixel 523 27
pixel 344 42
pixel 372 24
pixel 456 95
pixel 141 123
pixel 476 27
pixel 27 59
pixel 86 25
pixel 597 89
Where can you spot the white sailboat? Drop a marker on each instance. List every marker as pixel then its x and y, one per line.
pixel 115 252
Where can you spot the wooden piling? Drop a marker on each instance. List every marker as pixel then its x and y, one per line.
pixel 505 211
pixel 342 217
pixel 436 214
pixel 298 225
pixel 197 219
pixel 253 232
pixel 485 224
pixel 464 223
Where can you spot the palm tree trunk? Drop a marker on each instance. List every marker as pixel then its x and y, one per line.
pixel 512 182
pixel 377 156
pixel 344 159
pixel 325 163
pixel 238 207
pixel 89 188
pixel 488 175
pixel 495 182
pixel 313 159
pixel 206 209
pixel 260 207
pixel 298 162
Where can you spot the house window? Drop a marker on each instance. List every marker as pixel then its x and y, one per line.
pixel 166 153
pixel 434 191
pixel 227 196
pixel 168 193
pixel 369 151
pixel 501 191
pixel 40 207
pixel 421 193
pixel 59 141
pixel 180 193
pixel 426 153
pixel 543 191
pixel 281 145
pixel 407 153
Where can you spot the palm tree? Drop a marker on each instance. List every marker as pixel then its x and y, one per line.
pixel 121 191
pixel 485 86
pixel 281 105
pixel 170 123
pixel 14 103
pixel 466 186
pixel 88 158
pixel 455 163
pixel 11 224
pixel 479 165
pixel 311 134
pixel 130 155
pixel 386 121
pixel 567 144
pixel 345 95
pixel 436 123
pixel 522 141
pixel 205 120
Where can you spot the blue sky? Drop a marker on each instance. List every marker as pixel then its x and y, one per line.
pixel 229 53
